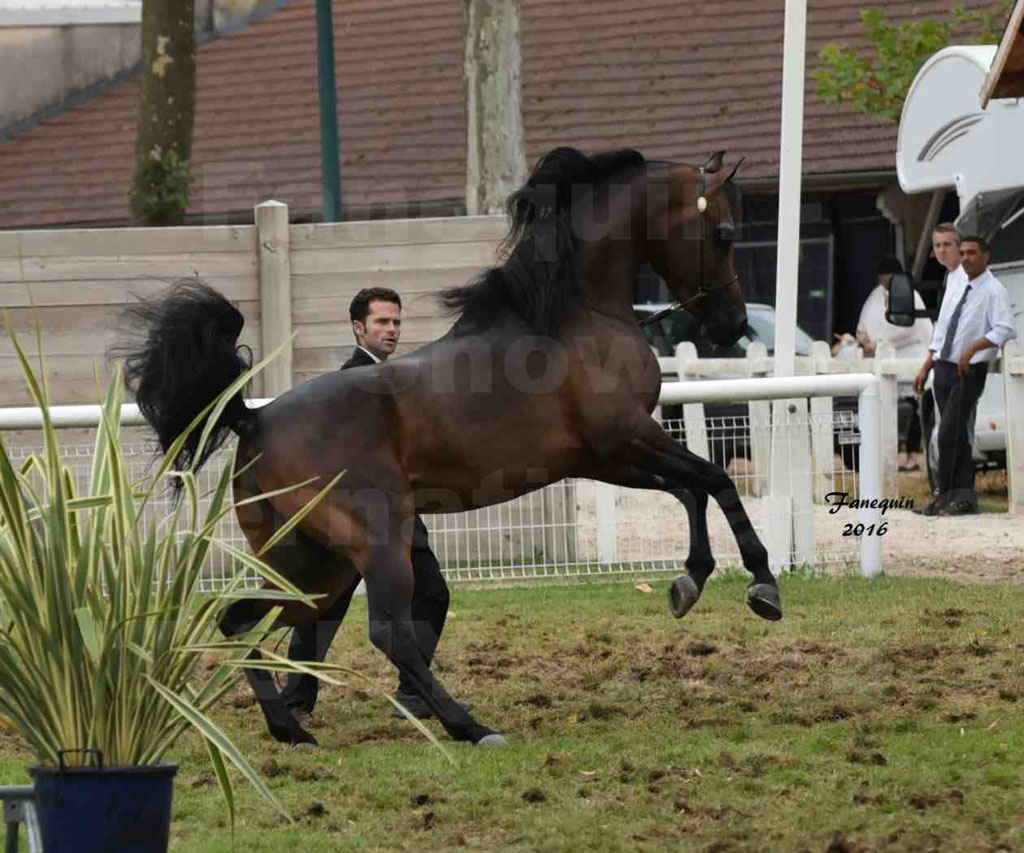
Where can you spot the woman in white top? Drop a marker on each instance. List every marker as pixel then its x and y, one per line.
pixel 909 341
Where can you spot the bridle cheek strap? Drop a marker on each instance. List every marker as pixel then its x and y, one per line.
pixel 703 290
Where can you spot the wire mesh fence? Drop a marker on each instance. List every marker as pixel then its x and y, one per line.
pixel 582 528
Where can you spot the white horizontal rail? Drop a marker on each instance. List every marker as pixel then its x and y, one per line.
pixel 905 369
pixel 765 388
pixel 68 417
pixel 717 390
pixel 865 385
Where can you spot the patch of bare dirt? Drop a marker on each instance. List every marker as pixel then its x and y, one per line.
pixel 983 548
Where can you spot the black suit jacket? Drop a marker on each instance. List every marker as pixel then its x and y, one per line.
pixel 360 358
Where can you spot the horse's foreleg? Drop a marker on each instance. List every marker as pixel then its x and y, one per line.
pixel 652 453
pixel 389 590
pixel 243 616
pixel 700 563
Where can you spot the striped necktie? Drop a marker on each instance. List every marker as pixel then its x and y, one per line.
pixel 947 344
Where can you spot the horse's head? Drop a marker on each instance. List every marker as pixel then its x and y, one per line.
pixel 690 232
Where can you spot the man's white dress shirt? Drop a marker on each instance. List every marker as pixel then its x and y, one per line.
pixel 986 314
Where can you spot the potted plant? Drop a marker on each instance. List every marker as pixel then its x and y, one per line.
pixel 102 630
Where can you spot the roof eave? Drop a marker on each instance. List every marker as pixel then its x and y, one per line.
pixel 1006 76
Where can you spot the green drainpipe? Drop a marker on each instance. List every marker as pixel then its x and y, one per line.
pixel 329 154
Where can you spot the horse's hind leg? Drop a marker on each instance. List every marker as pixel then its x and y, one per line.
pixel 243 616
pixel 389 590
pixel 312 641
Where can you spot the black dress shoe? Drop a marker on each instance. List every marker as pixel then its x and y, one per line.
pixel 933 508
pixel 959 508
pixel 418 707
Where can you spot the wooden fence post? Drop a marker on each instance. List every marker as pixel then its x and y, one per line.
pixel 760 421
pixel 1013 379
pixel 694 421
pixel 273 246
pixel 885 370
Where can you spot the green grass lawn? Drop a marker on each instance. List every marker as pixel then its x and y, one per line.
pixel 878 715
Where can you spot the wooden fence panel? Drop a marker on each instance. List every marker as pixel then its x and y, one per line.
pixel 77 282
pixel 417 258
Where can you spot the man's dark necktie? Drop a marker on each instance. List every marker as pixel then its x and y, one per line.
pixel 947 344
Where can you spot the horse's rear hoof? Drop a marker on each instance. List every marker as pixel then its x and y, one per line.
pixel 764 599
pixel 493 740
pixel 297 738
pixel 682 595
pixel 304 746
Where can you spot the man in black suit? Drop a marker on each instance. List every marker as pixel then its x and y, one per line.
pixel 376 315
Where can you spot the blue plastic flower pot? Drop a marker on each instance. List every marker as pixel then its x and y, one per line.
pixel 102 809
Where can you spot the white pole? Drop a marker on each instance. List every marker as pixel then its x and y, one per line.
pixel 869 413
pixel 781 485
pixel 790 166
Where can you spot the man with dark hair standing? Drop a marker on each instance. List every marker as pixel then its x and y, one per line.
pixel 376 316
pixel 974 322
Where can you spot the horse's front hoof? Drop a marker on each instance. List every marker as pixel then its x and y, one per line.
pixel 493 740
pixel 765 600
pixel 682 595
pixel 304 746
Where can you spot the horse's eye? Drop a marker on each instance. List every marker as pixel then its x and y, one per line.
pixel 726 233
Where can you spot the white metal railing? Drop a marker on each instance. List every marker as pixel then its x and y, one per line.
pixel 575 527
pixel 791 469
pixel 780 453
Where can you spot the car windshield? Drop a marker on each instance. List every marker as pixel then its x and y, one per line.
pixel 681 326
pixel 762 323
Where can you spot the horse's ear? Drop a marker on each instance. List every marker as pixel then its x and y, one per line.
pixel 735 169
pixel 714 162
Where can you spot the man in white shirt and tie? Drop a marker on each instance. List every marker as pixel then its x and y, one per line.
pixel 974 322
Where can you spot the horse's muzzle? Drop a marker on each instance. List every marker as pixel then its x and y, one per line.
pixel 722 332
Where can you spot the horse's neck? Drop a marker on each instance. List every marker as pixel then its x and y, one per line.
pixel 610 277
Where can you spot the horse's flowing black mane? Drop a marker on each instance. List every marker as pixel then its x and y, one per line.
pixel 541 279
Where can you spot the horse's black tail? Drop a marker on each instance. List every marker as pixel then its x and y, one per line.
pixel 189 355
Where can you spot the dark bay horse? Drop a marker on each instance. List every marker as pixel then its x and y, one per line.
pixel 544 375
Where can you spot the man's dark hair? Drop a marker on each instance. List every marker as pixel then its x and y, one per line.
pixel 974 238
pixel 360 307
pixel 948 228
pixel 888 264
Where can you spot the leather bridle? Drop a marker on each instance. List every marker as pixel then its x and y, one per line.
pixel 703 290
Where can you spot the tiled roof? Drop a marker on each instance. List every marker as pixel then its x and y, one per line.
pixel 664 76
pixel 681 80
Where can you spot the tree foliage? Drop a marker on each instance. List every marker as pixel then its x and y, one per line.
pixel 876 81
